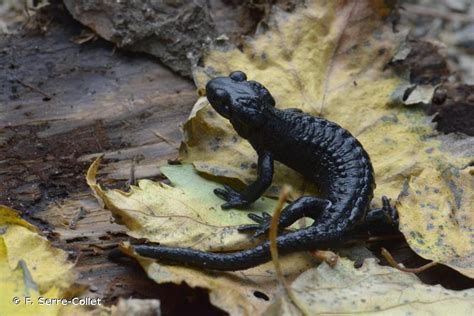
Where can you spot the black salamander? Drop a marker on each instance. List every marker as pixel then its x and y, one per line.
pixel 321 150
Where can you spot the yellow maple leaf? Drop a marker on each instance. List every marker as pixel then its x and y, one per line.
pixel 330 59
pixel 31 271
pixel 372 288
pixel 248 292
pixel 185 213
pixel 437 218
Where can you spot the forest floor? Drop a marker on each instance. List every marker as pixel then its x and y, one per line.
pixel 51 129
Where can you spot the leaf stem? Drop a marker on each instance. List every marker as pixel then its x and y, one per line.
pixel 398 266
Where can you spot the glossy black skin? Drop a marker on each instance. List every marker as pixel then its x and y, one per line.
pixel 320 150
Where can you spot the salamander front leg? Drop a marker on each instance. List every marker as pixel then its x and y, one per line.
pixel 254 190
pixel 305 206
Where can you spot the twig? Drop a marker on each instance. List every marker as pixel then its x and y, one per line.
pixel 80 215
pixel 273 236
pixel 135 160
pixel 25 8
pixel 383 238
pixel 274 246
pixel 372 239
pixel 166 140
pixel 25 84
pixel 397 265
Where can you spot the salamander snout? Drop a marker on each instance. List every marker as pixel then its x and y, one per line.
pixel 227 93
pixel 218 96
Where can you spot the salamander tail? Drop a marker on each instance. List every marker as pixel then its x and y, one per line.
pixel 230 261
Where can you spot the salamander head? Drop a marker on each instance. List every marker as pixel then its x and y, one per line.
pixel 239 100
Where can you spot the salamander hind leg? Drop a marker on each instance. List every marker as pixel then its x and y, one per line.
pixel 381 220
pixel 305 206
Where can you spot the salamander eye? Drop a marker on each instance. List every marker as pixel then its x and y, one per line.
pixel 220 93
pixel 238 75
pixel 219 99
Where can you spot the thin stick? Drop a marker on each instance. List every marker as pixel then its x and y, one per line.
pixel 166 140
pixel 397 265
pixel 133 180
pixel 273 236
pixel 383 238
pixel 80 215
pixel 25 84
pixel 274 247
